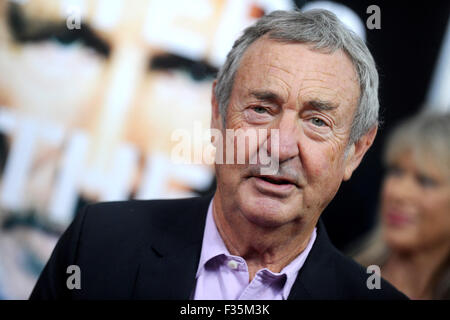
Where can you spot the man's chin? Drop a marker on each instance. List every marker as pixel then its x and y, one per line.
pixel 266 210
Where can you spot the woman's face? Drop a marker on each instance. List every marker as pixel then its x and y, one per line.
pixel 415 204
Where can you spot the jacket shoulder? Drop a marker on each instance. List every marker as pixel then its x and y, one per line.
pixel 112 230
pixel 357 282
pixel 106 241
pixel 133 215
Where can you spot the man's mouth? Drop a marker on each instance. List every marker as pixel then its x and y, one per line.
pixel 274 185
pixel 277 180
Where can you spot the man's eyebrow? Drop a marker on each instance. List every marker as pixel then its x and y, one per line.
pixel 266 96
pixel 27 29
pixel 322 105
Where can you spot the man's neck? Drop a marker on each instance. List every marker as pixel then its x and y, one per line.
pixel 261 247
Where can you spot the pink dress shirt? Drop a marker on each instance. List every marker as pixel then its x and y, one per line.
pixel 223 276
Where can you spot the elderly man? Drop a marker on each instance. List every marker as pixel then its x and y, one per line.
pixel 313 85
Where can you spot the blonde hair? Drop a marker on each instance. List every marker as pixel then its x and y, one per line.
pixel 427 136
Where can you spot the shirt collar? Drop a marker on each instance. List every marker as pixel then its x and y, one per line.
pixel 213 246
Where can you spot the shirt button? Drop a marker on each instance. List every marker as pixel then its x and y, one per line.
pixel 233 264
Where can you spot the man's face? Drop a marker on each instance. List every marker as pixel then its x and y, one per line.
pixel 310 97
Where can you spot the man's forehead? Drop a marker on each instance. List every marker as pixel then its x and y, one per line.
pixel 287 65
pixel 289 56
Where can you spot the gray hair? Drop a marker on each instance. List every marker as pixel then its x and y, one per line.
pixel 426 137
pixel 323 31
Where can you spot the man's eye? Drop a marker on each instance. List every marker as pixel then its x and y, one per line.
pixel 259 110
pixel 318 122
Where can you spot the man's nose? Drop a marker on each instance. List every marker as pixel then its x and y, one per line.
pixel 287 138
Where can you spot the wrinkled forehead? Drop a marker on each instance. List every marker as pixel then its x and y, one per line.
pixel 291 55
pixel 296 66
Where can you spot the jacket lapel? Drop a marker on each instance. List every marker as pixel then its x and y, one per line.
pixel 317 278
pixel 169 261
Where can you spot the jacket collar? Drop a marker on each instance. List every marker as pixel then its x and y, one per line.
pixel 170 260
pixel 317 278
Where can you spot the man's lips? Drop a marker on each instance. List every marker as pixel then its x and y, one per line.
pixel 278 180
pixel 273 186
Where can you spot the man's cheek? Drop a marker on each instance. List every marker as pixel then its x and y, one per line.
pixel 335 158
pixel 317 164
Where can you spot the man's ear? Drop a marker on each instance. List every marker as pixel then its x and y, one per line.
pixel 357 151
pixel 216 118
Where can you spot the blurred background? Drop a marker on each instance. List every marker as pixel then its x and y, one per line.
pixel 91 92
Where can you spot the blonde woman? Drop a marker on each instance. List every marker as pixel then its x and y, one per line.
pixel 412 243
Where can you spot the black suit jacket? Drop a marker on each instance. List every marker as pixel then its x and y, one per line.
pixel 151 249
